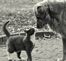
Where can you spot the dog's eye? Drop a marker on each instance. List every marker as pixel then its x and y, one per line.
pixel 38 7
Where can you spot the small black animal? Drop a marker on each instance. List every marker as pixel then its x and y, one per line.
pixel 19 43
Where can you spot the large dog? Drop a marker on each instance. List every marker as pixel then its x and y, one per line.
pixel 19 43
pixel 54 14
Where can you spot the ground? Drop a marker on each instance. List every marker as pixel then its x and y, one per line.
pixel 44 50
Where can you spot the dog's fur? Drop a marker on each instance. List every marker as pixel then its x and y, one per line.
pixel 54 14
pixel 19 43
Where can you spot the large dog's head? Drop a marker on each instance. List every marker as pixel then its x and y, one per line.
pixel 45 11
pixel 41 13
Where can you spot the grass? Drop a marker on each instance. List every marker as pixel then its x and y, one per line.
pixel 20 10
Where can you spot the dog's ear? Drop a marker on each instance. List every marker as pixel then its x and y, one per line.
pixel 25 31
pixel 51 11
